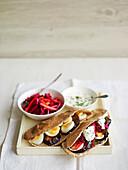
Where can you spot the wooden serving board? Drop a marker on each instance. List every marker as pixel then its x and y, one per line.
pixel 24 148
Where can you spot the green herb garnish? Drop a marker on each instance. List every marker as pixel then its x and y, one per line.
pixel 80 104
pixel 95 143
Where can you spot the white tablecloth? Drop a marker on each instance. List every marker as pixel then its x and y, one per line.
pixel 118 104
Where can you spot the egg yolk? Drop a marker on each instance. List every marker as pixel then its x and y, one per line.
pixel 67 124
pixel 36 137
pixel 80 114
pixel 54 130
pixel 99 134
pixel 68 120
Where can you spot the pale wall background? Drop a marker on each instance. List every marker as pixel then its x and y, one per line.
pixel 63 28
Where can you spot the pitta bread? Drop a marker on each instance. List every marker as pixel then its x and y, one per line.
pixel 77 132
pixel 49 124
pixel 46 125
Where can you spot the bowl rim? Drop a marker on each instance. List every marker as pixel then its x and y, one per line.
pixel 79 87
pixel 33 115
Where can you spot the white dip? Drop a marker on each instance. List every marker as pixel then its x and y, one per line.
pixel 79 100
pixel 89 133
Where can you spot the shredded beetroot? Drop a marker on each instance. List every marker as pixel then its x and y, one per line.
pixel 31 102
pixel 92 145
pixel 79 142
pixel 98 128
pixel 42 111
pixel 82 138
pixel 107 125
pixel 41 104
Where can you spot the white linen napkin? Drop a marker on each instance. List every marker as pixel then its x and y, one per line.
pixel 118 92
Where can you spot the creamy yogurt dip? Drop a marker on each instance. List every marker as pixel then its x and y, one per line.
pixel 79 100
pixel 89 133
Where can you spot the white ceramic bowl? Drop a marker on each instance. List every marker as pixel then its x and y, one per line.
pixel 78 91
pixel 54 94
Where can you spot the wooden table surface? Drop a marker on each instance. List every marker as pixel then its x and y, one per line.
pixel 69 28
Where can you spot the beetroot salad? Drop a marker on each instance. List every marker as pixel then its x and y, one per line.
pixel 41 104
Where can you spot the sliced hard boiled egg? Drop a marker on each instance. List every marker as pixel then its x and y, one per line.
pixel 99 135
pixel 68 120
pixel 53 132
pixel 81 115
pixel 38 140
pixel 67 127
pixel 60 124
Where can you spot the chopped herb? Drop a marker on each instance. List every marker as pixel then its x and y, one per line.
pixel 95 143
pixel 77 97
pixel 80 104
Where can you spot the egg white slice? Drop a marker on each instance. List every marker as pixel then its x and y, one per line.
pixel 99 136
pixel 53 132
pixel 82 115
pixel 38 140
pixel 60 124
pixel 67 127
pixel 68 120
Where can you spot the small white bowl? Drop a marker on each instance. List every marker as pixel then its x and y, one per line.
pixel 54 94
pixel 78 91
